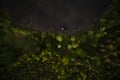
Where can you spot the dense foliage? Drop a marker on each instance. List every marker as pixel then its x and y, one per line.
pixel 31 55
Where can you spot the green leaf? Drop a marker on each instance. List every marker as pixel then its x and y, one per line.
pixel 102 20
pixel 65 60
pixel 69 46
pixel 98 62
pixel 81 53
pixel 75 45
pixel 73 38
pixel 59 38
pixel 111 47
pixel 43 35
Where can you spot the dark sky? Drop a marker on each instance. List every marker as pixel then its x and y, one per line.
pixel 49 15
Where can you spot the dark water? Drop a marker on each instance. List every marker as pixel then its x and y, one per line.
pixel 50 15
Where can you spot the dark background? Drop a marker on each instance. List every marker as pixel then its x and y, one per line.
pixel 49 15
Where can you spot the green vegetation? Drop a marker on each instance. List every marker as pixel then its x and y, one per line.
pixel 31 55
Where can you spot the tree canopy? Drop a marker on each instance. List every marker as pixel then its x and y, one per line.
pixel 27 54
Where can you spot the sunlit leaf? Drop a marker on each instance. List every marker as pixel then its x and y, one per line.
pixel 37 58
pixel 69 46
pixel 65 60
pixel 43 35
pixel 73 38
pixel 75 45
pixel 59 38
pixel 44 59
